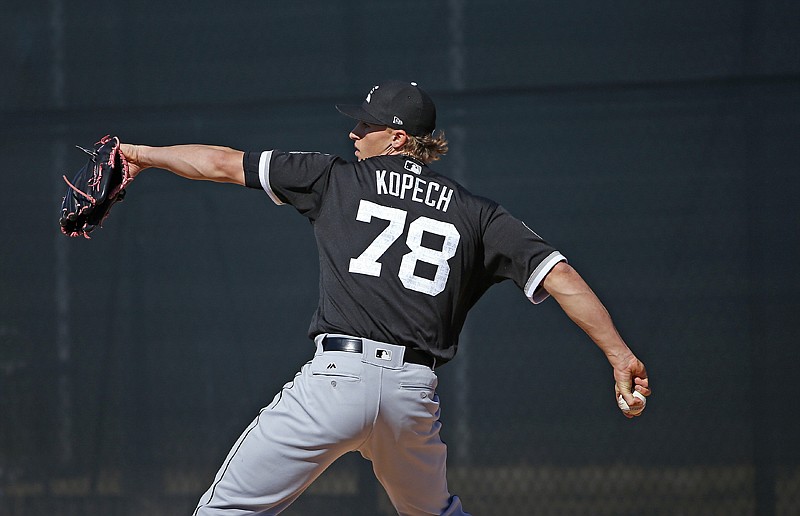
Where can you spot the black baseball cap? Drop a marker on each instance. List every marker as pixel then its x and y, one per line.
pixel 396 104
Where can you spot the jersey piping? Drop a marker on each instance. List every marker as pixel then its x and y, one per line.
pixel 263 176
pixel 532 287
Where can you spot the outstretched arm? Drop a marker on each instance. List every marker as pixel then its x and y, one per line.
pixel 585 309
pixel 201 162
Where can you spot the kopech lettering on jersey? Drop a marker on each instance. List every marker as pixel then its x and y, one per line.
pixel 405 185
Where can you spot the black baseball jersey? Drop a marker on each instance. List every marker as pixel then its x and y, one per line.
pixel 404 252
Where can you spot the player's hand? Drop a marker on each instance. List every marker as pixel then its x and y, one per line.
pixel 629 376
pixel 131 153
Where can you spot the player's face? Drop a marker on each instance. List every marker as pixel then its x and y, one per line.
pixel 371 140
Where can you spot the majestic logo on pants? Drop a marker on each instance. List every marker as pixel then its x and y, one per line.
pixel 383 354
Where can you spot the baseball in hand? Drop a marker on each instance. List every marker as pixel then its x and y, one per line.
pixel 623 405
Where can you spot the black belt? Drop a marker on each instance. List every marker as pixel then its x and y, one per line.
pixel 353 345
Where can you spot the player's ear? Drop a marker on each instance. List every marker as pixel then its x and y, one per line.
pixel 399 138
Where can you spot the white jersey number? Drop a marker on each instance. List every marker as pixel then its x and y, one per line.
pixel 367 263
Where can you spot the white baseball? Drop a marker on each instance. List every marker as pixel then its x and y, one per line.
pixel 623 405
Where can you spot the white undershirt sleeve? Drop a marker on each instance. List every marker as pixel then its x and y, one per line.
pixel 533 288
pixel 263 175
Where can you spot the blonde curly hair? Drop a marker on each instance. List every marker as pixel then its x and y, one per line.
pixel 427 148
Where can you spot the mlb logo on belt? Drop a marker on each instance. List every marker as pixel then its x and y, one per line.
pixel 383 354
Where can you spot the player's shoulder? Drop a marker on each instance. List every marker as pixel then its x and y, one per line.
pixel 299 156
pixel 463 192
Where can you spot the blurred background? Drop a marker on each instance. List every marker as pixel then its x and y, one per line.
pixel 654 143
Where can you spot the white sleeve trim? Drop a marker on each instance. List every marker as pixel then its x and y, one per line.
pixel 532 288
pixel 263 176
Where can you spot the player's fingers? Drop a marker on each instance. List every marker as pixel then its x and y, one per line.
pixel 631 408
pixel 642 386
pixel 624 389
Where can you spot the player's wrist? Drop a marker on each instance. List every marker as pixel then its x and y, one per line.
pixel 620 358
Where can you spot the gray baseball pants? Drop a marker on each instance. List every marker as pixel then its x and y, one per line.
pixel 340 402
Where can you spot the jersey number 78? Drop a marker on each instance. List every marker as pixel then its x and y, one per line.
pixel 368 262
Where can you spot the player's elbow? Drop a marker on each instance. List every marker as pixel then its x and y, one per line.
pixel 563 279
pixel 227 166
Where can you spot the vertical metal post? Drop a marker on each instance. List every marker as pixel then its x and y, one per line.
pixel 763 433
pixel 456 134
pixel 63 337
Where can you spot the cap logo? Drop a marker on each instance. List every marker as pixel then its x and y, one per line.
pixel 397 121
pixel 369 95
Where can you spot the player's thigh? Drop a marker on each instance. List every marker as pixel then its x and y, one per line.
pixel 408 455
pixel 291 442
pixel 415 477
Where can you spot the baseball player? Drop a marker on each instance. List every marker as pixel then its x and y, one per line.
pixel 404 253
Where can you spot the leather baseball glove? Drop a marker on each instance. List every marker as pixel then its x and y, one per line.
pixel 96 187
